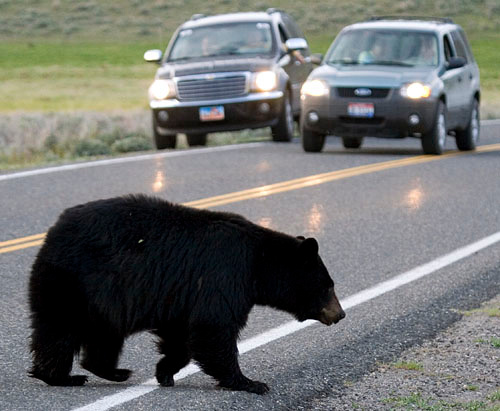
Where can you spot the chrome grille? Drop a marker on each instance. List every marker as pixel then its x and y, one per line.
pixel 211 88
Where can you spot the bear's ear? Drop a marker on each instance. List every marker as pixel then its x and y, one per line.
pixel 301 237
pixel 309 247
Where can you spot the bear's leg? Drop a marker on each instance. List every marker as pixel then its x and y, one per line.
pixel 101 351
pixel 176 356
pixel 216 352
pixel 54 311
pixel 53 353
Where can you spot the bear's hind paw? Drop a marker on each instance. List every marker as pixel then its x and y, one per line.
pixel 66 381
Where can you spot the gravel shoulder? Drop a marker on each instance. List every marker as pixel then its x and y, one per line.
pixel 459 370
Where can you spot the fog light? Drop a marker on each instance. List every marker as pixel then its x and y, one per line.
pixel 414 119
pixel 264 108
pixel 312 117
pixel 162 115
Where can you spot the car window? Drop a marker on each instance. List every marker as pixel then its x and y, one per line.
pixel 448 52
pixel 459 45
pixel 222 40
pixel 386 47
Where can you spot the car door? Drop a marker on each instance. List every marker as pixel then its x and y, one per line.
pixel 467 78
pixel 452 81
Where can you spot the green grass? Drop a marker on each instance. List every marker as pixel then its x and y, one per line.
pixel 417 401
pixel 408 365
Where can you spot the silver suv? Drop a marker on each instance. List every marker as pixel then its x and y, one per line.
pixel 393 78
pixel 229 72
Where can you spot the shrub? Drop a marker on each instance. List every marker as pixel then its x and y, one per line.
pixel 91 148
pixel 133 143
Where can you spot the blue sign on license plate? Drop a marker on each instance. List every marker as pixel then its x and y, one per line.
pixel 212 113
pixel 361 109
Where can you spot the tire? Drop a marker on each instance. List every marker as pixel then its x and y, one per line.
pixel 352 142
pixel 196 139
pixel 434 141
pixel 467 139
pixel 163 141
pixel 283 131
pixel 312 142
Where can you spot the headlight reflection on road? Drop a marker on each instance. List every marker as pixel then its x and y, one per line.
pixel 414 199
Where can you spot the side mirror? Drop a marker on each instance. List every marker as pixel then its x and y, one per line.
pixel 153 56
pixel 316 58
pixel 455 62
pixel 296 44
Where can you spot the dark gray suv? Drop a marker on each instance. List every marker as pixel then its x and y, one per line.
pixel 393 78
pixel 229 72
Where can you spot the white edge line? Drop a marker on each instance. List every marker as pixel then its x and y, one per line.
pixel 294 326
pixel 122 160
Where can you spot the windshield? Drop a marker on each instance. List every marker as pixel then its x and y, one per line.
pixel 384 47
pixel 222 40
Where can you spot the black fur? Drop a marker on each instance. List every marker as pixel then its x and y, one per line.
pixel 111 268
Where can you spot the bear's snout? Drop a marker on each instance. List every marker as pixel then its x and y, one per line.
pixel 333 312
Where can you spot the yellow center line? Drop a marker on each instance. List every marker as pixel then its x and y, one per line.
pixel 267 190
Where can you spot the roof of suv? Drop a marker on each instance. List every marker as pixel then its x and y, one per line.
pixel 227 18
pixel 436 25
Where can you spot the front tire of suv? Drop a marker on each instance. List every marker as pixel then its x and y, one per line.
pixel 467 139
pixel 352 142
pixel 434 141
pixel 196 139
pixel 283 131
pixel 312 142
pixel 163 141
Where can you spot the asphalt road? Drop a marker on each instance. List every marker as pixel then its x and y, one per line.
pixel 377 213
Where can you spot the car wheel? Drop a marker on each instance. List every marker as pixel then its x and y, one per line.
pixel 312 142
pixel 434 141
pixel 283 131
pixel 163 141
pixel 352 142
pixel 196 139
pixel 467 139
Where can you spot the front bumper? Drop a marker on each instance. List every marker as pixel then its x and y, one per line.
pixel 391 117
pixel 255 110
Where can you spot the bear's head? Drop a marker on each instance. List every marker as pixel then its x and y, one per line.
pixel 294 279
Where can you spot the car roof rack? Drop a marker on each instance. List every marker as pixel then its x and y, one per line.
pixel 197 16
pixel 423 18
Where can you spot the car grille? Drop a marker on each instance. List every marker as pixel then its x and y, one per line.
pixel 375 92
pixel 205 88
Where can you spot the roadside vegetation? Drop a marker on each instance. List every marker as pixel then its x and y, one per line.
pixel 84 59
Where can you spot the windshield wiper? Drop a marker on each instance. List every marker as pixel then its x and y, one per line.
pixel 343 61
pixel 389 63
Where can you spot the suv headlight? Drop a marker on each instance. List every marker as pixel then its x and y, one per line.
pixel 264 81
pixel 161 89
pixel 416 90
pixel 315 88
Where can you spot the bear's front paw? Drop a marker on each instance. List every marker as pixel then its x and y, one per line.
pixel 248 385
pixel 165 380
pixel 257 387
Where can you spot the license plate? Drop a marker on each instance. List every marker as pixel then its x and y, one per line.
pixel 361 110
pixel 212 113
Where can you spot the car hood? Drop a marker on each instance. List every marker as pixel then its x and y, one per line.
pixel 372 76
pixel 171 70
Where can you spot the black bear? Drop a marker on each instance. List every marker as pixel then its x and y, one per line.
pixel 114 267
